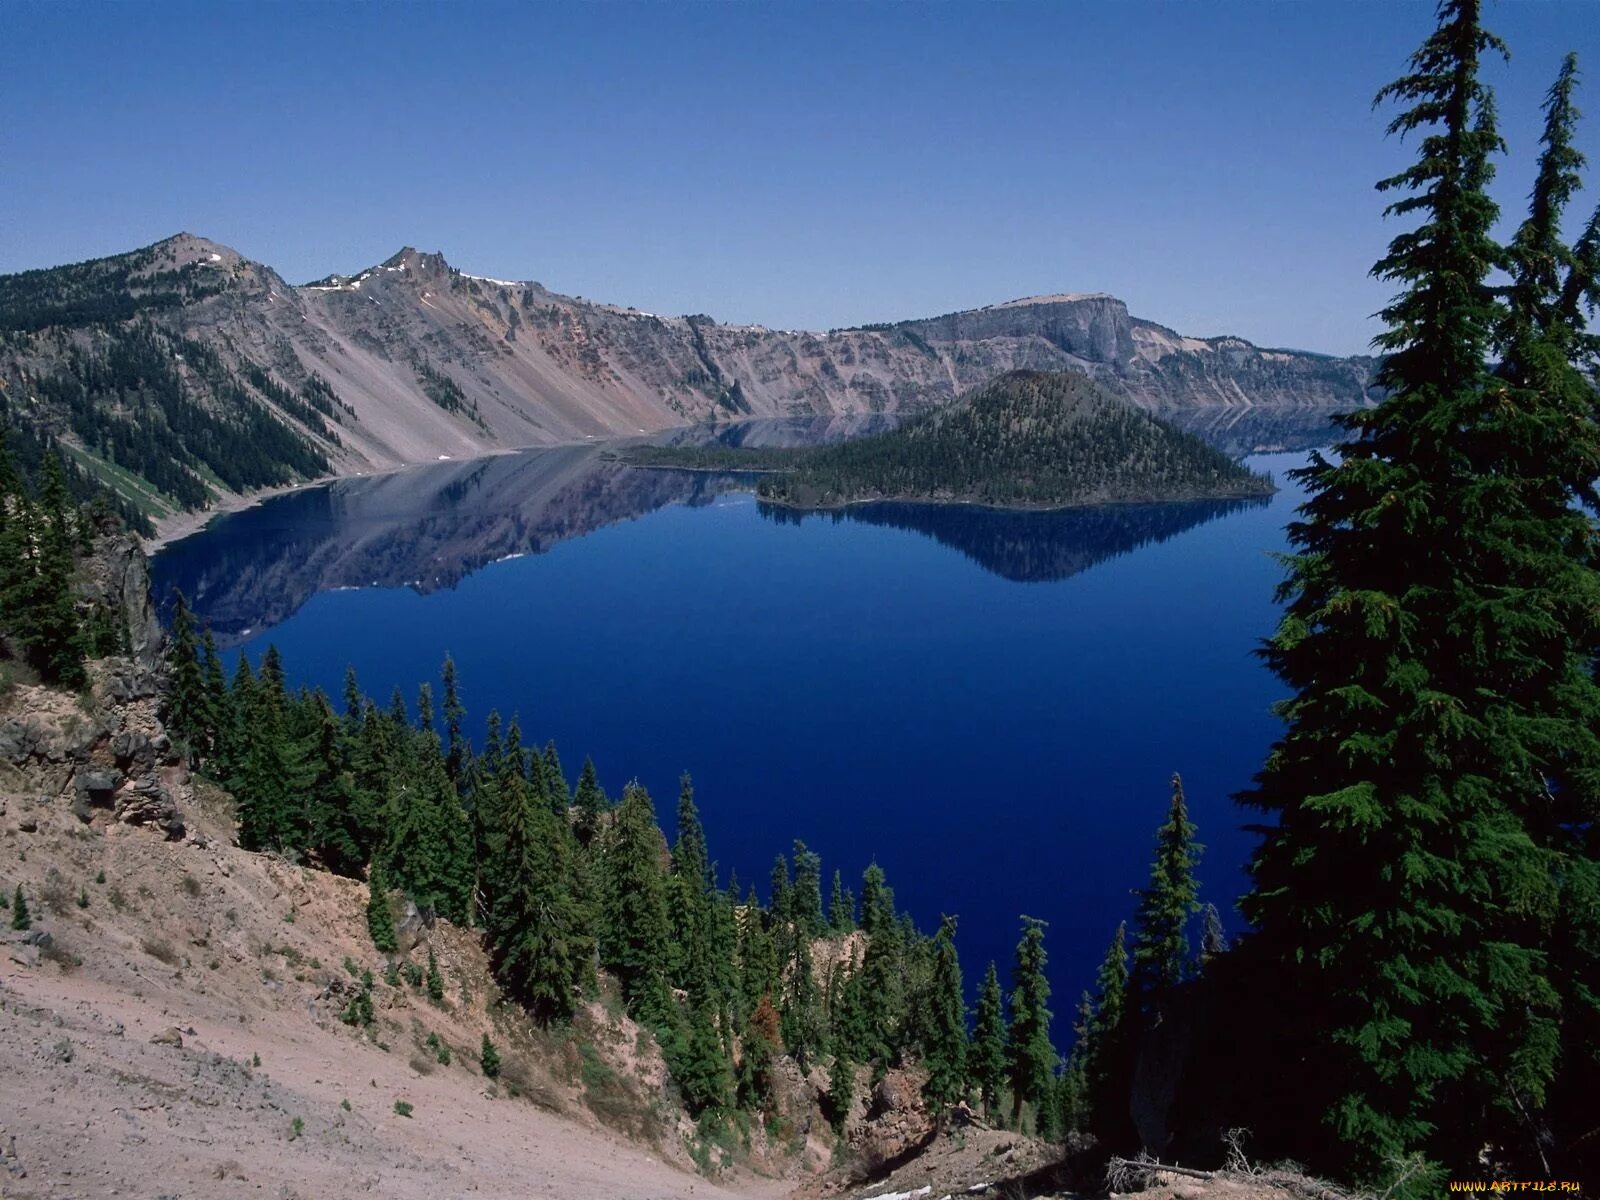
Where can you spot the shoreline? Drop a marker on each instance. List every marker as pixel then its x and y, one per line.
pixel 186 524
pixel 952 502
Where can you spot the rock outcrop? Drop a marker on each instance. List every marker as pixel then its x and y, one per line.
pixel 412 360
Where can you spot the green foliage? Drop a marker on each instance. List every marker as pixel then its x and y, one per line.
pixel 1027 439
pixel 841 1091
pixel 380 919
pixel 1031 1059
pixel 1438 782
pixel 403 1109
pixel 986 1058
pixel 435 979
pixel 1161 943
pixel 635 930
pixel 489 1059
pixel 944 1051
pixel 359 1010
pixel 1106 1057
pixel 20 918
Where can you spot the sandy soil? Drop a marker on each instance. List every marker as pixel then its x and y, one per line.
pixel 191 937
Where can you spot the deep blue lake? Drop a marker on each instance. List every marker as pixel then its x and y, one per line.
pixel 989 704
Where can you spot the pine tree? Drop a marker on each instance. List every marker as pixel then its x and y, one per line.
pixel 218 712
pixel 535 926
pixel 591 804
pixel 635 927
pixel 877 902
pixel 1073 1089
pixel 807 893
pixel 1213 937
pixel 1547 357
pixel 341 820
pixel 986 1062
pixel 489 1059
pixel 20 919
pixel 1161 944
pixel 945 1046
pixel 186 694
pixel 457 750
pixel 841 1091
pixel 1108 1055
pixel 760 1044
pixel 1031 1059
pixel 1438 636
pixel 840 919
pixel 556 790
pixel 43 615
pixel 435 978
pixel 380 920
pixel 805 1032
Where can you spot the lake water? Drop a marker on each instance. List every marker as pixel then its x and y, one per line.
pixel 989 704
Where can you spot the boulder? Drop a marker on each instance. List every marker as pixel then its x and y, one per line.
pixel 170 1036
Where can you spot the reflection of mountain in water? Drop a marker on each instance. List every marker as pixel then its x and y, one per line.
pixel 1240 430
pixel 423 529
pixel 431 527
pixel 1031 547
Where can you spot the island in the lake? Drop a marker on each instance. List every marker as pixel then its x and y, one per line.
pixel 1028 439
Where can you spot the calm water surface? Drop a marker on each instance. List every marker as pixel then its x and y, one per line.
pixel 989 704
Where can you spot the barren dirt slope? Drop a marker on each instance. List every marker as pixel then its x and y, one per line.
pixel 238 958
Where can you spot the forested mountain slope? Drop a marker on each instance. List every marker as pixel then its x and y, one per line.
pixel 183 373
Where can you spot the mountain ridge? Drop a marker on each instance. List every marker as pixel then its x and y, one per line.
pixel 144 365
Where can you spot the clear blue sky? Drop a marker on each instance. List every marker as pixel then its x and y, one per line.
pixel 798 165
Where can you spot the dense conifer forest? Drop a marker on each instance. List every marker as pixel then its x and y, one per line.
pixel 565 882
pixel 1029 439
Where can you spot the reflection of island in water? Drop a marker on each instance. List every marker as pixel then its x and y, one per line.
pixel 430 527
pixel 1030 546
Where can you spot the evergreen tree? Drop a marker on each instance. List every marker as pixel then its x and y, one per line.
pixel 1108 1057
pixel 591 804
pixel 877 902
pixel 380 920
pixel 1073 1087
pixel 986 1060
pixel 807 902
pixel 1161 943
pixel 20 919
pixel 840 917
pixel 760 1044
pixel 1213 937
pixel 804 1029
pixel 1031 1059
pixel 841 1091
pixel 1439 638
pixel 781 892
pixel 883 991
pixel 556 790
pixel 217 714
pixel 428 854
pixel 457 750
pixel 435 978
pixel 341 820
pixel 945 1043
pixel 535 926
pixel 636 928
pixel 42 614
pixel 186 693
pixel 489 1059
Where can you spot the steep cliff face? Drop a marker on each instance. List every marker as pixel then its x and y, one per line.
pixel 184 371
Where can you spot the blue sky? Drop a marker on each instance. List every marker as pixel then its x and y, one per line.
pixel 798 165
